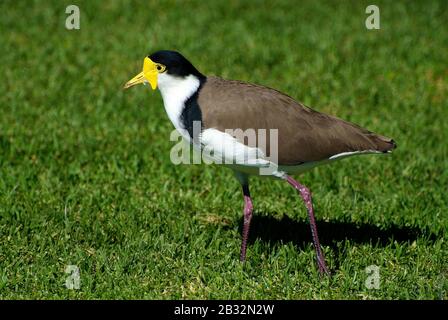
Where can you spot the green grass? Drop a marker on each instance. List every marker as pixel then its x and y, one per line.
pixel 86 180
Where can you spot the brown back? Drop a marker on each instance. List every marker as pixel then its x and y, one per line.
pixel 304 135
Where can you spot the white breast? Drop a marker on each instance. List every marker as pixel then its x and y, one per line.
pixel 175 91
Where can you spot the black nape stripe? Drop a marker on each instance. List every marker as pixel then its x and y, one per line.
pixel 192 112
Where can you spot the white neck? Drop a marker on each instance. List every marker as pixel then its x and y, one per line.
pixel 175 91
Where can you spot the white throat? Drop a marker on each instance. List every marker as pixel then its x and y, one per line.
pixel 175 91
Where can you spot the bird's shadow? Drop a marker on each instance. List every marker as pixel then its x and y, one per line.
pixel 274 231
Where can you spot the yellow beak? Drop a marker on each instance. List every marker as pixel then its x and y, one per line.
pixel 149 74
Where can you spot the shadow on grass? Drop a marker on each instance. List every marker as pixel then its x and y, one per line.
pixel 272 230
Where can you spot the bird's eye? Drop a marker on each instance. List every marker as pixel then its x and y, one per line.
pixel 160 68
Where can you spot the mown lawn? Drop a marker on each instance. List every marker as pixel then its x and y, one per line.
pixel 86 178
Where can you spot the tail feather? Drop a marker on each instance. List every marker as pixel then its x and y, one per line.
pixel 384 144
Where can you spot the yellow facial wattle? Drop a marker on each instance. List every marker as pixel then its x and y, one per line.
pixel 149 74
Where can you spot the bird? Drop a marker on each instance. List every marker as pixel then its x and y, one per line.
pixel 211 112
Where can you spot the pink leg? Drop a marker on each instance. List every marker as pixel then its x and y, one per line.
pixel 306 196
pixel 248 207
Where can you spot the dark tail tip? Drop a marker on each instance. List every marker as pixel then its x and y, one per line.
pixel 394 144
pixel 391 146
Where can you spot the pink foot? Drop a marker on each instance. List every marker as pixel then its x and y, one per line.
pixel 248 208
pixel 306 196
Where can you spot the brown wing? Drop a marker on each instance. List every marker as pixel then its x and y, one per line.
pixel 304 135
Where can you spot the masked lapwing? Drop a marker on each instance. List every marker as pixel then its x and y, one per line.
pixel 290 138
